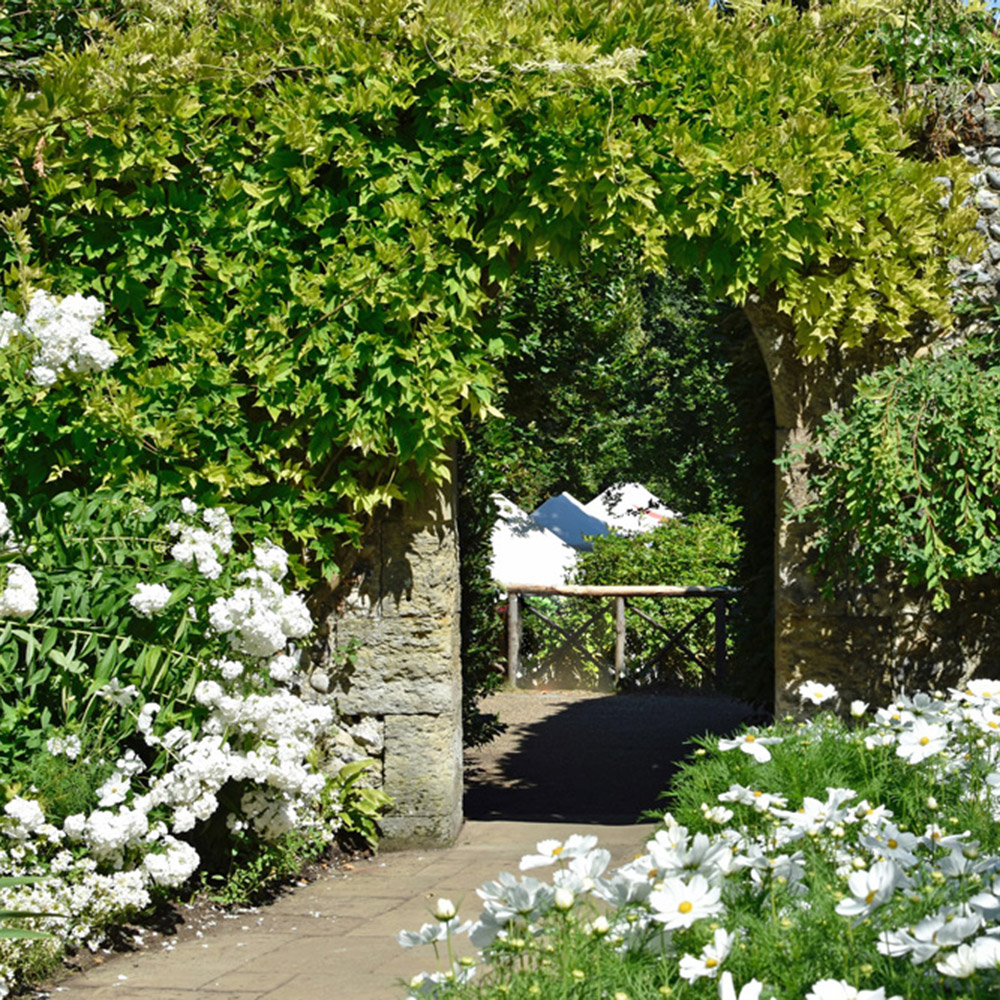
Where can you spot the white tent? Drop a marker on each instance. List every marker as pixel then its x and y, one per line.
pixel 566 517
pixel 629 507
pixel 525 551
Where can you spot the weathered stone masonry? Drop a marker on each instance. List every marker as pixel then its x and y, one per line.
pixel 402 617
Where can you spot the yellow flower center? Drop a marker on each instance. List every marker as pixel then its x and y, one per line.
pixel 750 737
pixel 924 740
pixel 556 851
pixel 710 963
pixel 757 795
pixel 870 896
pixel 685 907
pixel 893 844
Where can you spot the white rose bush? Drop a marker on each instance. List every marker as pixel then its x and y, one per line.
pixel 157 724
pixel 855 860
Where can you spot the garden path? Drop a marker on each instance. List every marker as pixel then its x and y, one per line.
pixel 569 762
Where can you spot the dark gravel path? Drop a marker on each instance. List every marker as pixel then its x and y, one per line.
pixel 585 757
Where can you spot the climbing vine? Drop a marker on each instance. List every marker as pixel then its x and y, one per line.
pixel 299 215
pixel 908 475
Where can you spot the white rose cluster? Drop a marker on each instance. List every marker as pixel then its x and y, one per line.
pixel 202 545
pixel 257 733
pixel 19 592
pixel 63 332
pixel 259 617
pixel 19 597
pixel 149 599
pixel 8 542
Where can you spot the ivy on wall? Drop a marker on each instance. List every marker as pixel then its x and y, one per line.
pixel 299 214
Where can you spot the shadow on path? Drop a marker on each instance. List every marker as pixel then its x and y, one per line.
pixel 588 758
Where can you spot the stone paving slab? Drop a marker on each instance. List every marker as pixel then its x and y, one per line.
pixel 334 939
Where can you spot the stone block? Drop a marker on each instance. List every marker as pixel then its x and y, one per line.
pixel 423 774
pixel 406 833
pixel 855 654
pixel 400 671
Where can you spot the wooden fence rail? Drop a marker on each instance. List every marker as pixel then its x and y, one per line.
pixel 516 605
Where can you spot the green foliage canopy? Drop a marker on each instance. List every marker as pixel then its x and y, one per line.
pixel 299 213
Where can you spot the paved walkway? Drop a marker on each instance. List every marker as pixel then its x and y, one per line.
pixel 570 762
pixel 334 939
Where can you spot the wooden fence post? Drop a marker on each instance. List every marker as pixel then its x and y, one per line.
pixel 619 638
pixel 513 636
pixel 720 641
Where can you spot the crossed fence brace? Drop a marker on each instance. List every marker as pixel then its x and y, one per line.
pixel 518 605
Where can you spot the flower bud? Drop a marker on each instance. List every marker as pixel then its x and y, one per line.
pixel 563 899
pixel 445 909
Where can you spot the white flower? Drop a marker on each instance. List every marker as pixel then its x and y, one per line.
pixel 680 904
pixel 149 598
pixel 26 813
pixel 62 329
pixel 816 693
pixel 922 740
pixel 114 692
pixel 430 933
pixel 19 597
pixel 270 558
pixel 870 889
pixel 113 791
pixel 230 669
pixel 727 991
pixel 858 708
pixel 444 909
pixel 712 956
pixel 960 963
pixel 752 744
pixel 761 801
pixel 174 866
pixel 563 899
pixel 838 989
pixel 550 851
pixel 716 814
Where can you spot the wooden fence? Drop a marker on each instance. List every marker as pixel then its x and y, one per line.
pixel 518 606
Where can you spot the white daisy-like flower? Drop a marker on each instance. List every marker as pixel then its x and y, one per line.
pixel 551 851
pixel 749 991
pixel 922 740
pixel 709 963
pixel 753 744
pixel 870 889
pixel 960 963
pixel 839 989
pixel 816 693
pixel 679 904
pixel 113 791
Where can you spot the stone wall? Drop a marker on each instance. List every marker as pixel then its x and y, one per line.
pixel 402 681
pixel 873 641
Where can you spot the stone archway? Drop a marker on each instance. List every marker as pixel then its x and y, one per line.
pixel 403 610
